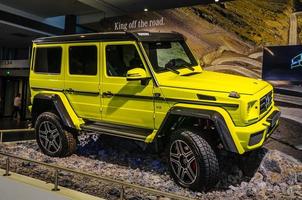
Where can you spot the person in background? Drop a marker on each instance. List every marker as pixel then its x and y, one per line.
pixel 17 107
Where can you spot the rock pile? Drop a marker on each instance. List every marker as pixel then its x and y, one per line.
pixel 263 174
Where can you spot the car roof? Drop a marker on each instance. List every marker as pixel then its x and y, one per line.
pixel 112 36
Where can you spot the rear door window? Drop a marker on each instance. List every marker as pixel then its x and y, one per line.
pixel 48 60
pixel 83 60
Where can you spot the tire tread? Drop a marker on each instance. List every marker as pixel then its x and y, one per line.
pixel 68 139
pixel 209 157
pixel 210 169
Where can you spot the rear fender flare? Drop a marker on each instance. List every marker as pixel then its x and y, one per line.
pixel 43 102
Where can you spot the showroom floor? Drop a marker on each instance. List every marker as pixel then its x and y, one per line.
pixel 34 189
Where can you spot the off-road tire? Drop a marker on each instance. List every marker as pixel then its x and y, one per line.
pixel 65 141
pixel 206 162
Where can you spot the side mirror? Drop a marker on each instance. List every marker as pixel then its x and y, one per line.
pixel 136 74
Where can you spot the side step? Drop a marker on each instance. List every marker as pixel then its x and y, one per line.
pixel 129 132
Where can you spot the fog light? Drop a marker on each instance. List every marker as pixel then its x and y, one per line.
pixel 256 138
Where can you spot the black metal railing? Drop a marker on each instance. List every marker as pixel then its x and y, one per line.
pixel 123 185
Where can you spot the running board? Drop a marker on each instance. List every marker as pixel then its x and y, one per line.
pixel 133 133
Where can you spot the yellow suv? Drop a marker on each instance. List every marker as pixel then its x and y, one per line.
pixel 146 87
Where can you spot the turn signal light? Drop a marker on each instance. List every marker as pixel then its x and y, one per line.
pixel 234 94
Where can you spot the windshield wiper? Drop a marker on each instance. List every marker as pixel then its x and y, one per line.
pixel 191 74
pixel 172 70
pixel 189 67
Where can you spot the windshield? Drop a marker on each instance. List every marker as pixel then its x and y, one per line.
pixel 169 55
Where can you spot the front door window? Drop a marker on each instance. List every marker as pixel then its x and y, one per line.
pixel 121 58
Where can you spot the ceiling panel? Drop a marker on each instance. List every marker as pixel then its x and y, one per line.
pixel 50 8
pixel 16 37
pixel 140 5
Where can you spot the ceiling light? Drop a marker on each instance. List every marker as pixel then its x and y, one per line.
pixel 216 0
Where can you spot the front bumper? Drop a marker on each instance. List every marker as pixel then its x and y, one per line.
pixel 253 136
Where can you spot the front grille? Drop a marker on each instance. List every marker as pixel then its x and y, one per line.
pixel 266 102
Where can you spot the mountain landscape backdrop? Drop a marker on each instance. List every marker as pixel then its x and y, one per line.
pixel 227 37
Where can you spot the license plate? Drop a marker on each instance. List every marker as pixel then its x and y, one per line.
pixel 273 119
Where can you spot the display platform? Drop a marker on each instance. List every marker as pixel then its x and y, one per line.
pixel 288 101
pixel 15 186
pixel 13 130
pixel 290 90
pixel 294 114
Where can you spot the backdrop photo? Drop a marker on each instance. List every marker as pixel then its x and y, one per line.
pixel 228 37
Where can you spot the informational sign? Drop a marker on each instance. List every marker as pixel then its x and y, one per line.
pixel 282 63
pixel 138 24
pixel 132 23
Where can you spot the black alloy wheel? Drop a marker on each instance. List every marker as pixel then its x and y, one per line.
pixel 52 139
pixel 192 161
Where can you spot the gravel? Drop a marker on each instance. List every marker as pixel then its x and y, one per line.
pixel 262 174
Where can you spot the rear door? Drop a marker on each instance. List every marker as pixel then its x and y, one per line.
pixel 82 79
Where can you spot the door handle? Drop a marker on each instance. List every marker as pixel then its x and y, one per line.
pixel 107 94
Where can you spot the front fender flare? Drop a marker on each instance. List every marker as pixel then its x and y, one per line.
pixel 205 112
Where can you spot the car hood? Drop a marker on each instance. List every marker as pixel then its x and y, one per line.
pixel 213 81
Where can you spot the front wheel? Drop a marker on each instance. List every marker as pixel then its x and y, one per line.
pixel 193 163
pixel 52 139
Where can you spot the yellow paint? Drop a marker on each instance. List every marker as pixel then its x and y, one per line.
pixel 86 106
pixel 151 137
pixel 128 111
pixel 77 121
pixel 243 119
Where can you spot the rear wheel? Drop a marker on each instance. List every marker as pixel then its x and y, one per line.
pixel 52 139
pixel 193 163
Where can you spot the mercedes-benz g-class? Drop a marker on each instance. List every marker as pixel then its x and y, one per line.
pixel 147 87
